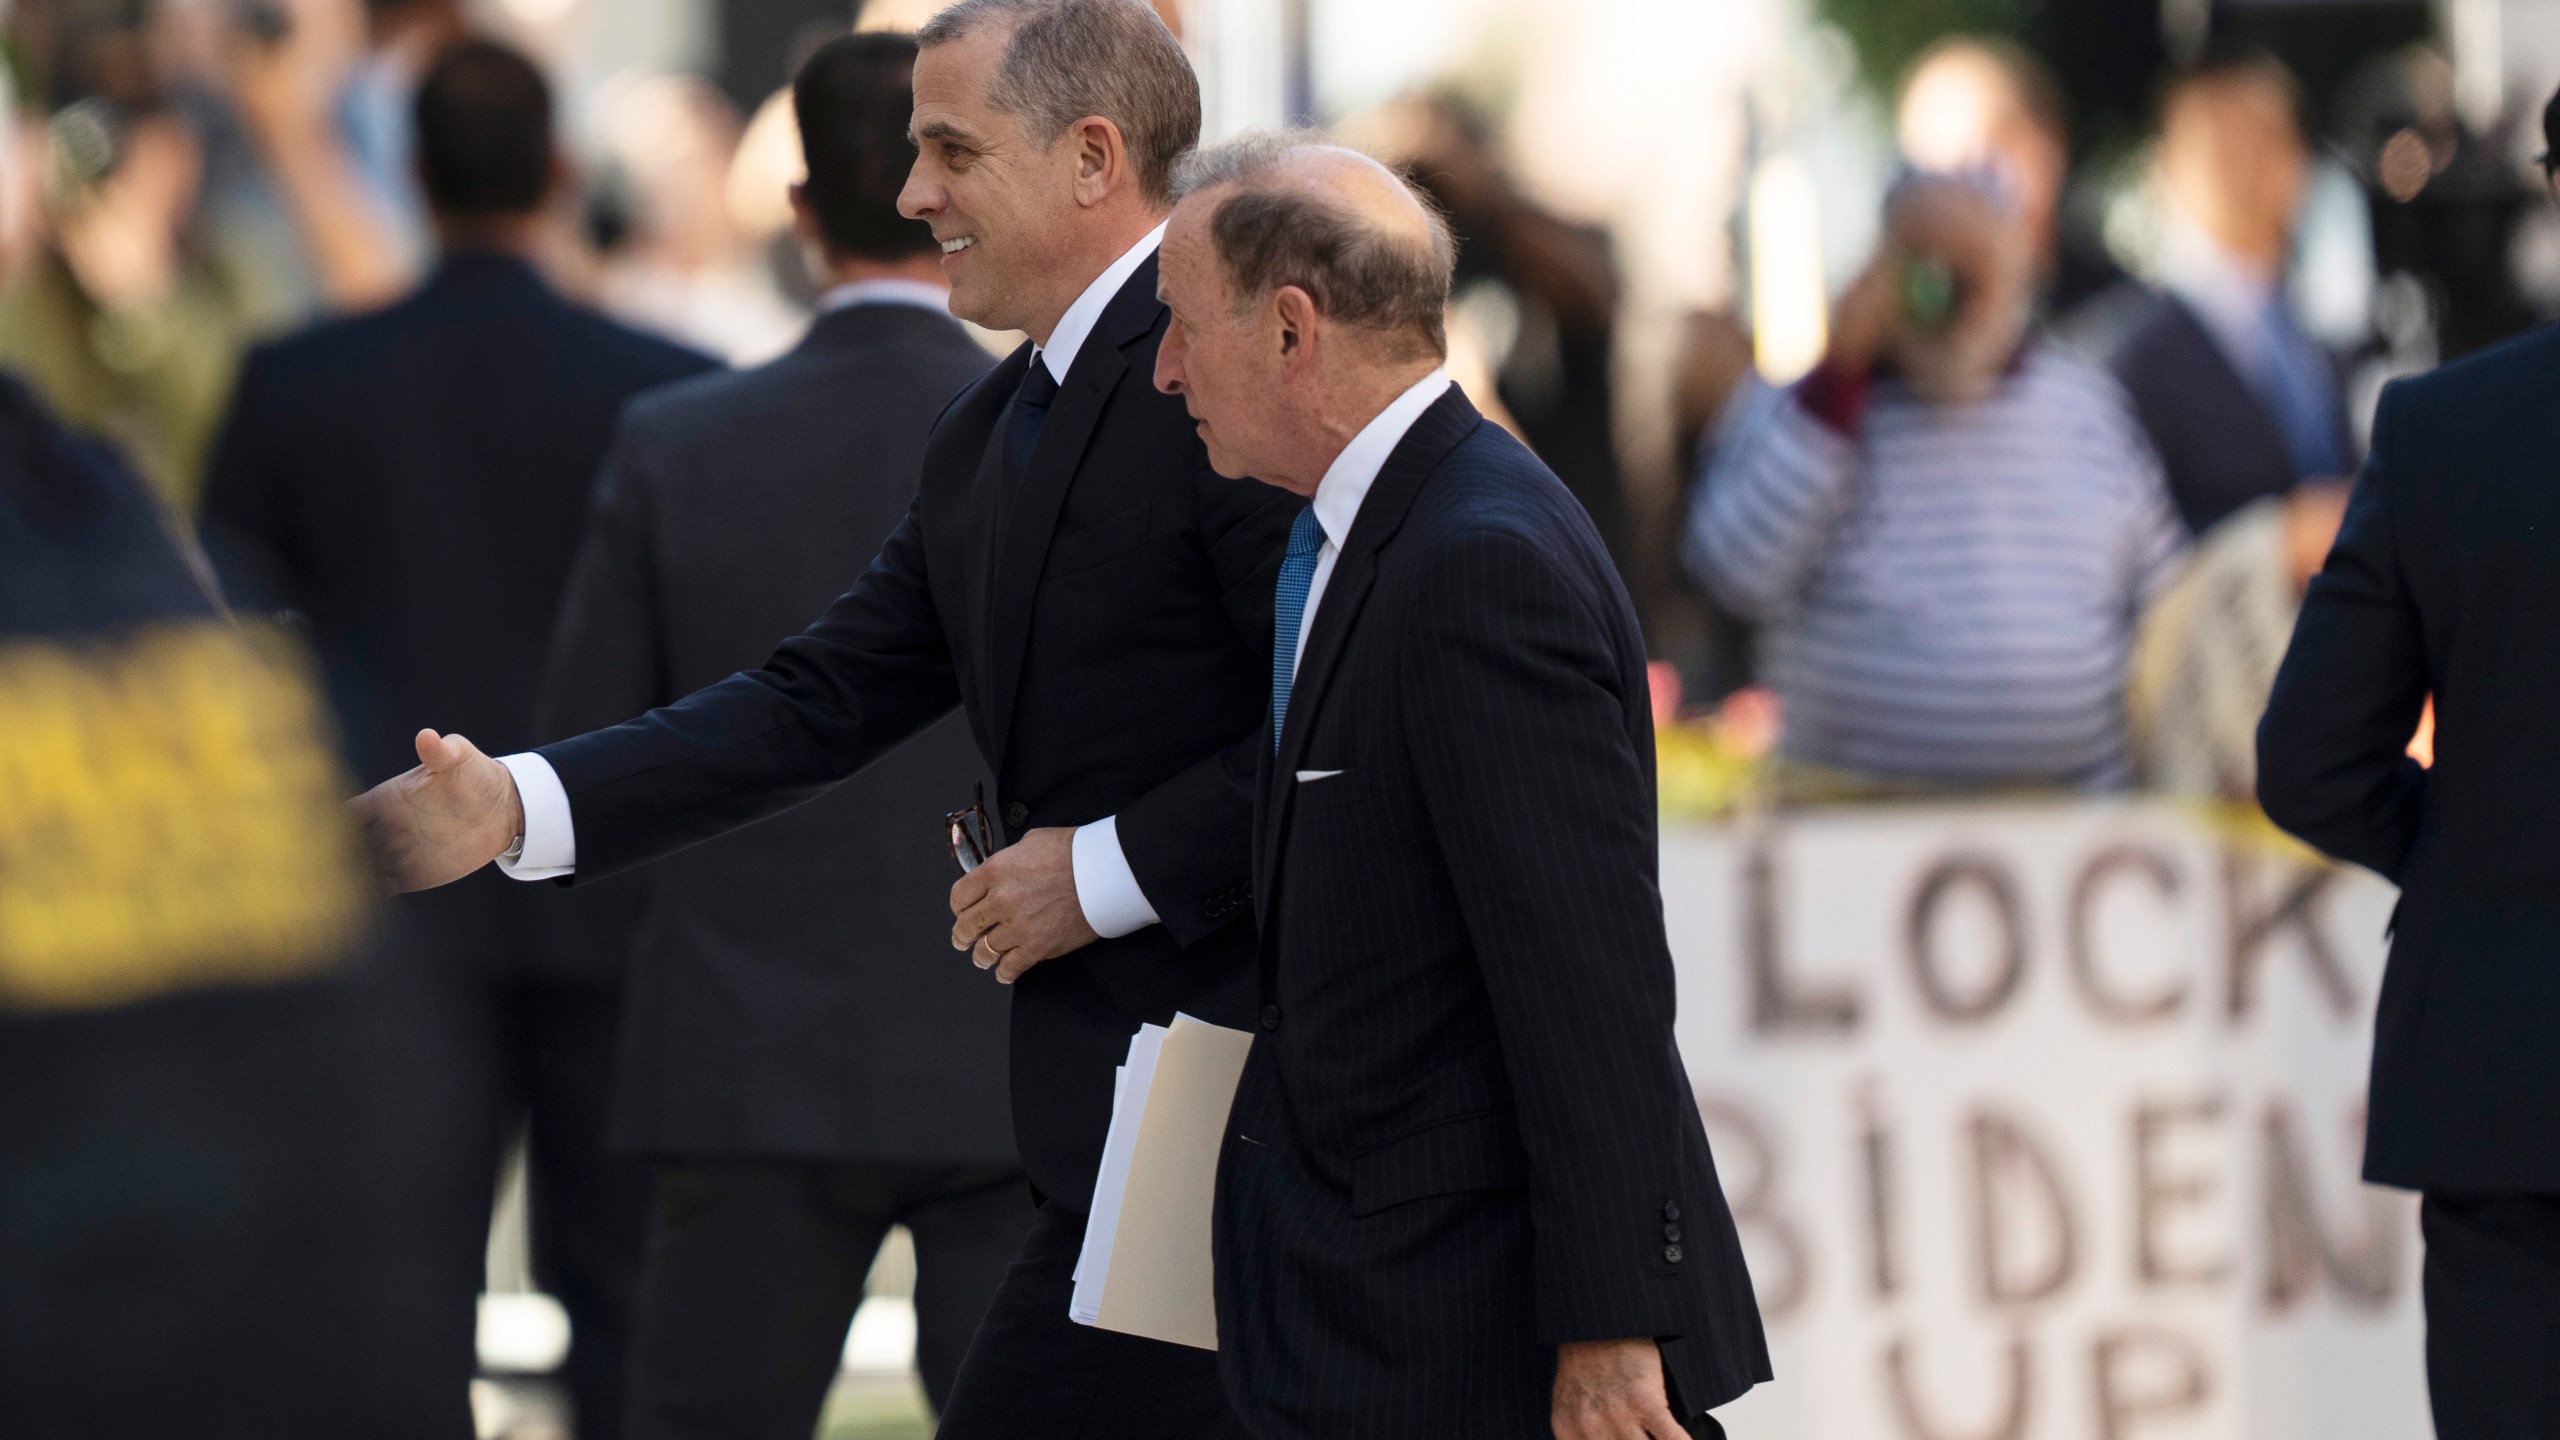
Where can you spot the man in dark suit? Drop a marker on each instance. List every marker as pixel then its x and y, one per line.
pixel 1077 578
pixel 799 1054
pixel 1465 1191
pixel 2445 582
pixel 415 483
pixel 2239 400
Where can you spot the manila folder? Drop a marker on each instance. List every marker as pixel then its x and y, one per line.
pixel 1170 1119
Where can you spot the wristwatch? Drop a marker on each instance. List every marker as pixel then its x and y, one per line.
pixel 514 851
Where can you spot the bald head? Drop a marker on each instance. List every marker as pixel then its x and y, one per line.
pixel 1306 285
pixel 1366 248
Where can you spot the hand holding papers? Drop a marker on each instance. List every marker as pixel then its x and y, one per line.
pixel 1145 1269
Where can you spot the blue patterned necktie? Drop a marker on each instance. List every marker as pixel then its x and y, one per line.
pixel 1289 611
pixel 2296 391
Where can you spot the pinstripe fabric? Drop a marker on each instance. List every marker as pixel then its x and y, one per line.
pixel 1288 609
pixel 1950 593
pixel 1466 1135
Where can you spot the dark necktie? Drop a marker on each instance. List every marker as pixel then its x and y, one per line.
pixel 2295 387
pixel 1289 610
pixel 1030 411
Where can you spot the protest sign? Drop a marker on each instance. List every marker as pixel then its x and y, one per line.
pixel 2043 1123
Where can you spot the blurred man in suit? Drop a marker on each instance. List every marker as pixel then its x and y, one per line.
pixel 799 1053
pixel 1073 574
pixel 1465 1191
pixel 415 483
pixel 2445 582
pixel 2239 400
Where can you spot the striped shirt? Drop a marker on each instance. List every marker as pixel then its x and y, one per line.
pixel 1946 594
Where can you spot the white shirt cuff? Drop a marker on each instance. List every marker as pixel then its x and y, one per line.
pixel 1113 904
pixel 550 840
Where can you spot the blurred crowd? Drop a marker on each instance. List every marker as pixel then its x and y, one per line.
pixel 195 176
pixel 2042 516
pixel 2082 583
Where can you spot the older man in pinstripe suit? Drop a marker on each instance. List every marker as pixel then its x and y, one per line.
pixel 1465 1192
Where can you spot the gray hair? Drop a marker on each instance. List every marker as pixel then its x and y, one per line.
pixel 1068 59
pixel 1271 235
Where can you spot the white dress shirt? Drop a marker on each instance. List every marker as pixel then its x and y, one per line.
pixel 1346 483
pixel 1106 889
pixel 1068 338
pixel 2227 295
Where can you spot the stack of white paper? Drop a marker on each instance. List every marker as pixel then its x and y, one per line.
pixel 1145 1267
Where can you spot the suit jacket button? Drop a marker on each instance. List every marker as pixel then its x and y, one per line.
pixel 1671 1210
pixel 1671 1253
pixel 1671 1233
pixel 1017 814
pixel 1270 1017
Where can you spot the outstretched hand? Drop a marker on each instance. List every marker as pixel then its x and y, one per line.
pixel 453 814
pixel 1613 1390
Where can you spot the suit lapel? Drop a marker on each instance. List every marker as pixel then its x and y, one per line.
pixel 1355 573
pixel 1031 513
pixel 2245 422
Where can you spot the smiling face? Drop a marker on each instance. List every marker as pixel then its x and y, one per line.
pixel 1003 207
pixel 1229 368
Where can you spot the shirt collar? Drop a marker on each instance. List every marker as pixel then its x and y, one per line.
pixel 1060 353
pixel 2227 295
pixel 922 294
pixel 1346 482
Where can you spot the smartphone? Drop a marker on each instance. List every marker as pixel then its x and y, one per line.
pixel 1931 293
pixel 87 139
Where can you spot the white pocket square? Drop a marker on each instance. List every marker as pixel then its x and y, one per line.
pixel 1306 775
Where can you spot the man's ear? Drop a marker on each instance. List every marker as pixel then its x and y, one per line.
pixel 1299 323
pixel 804 221
pixel 1101 156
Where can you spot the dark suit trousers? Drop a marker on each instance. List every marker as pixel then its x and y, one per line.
pixel 1034 1374
pixel 503 1036
pixel 756 1267
pixel 2493 1315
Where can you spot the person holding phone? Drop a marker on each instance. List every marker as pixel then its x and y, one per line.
pixel 1945 531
